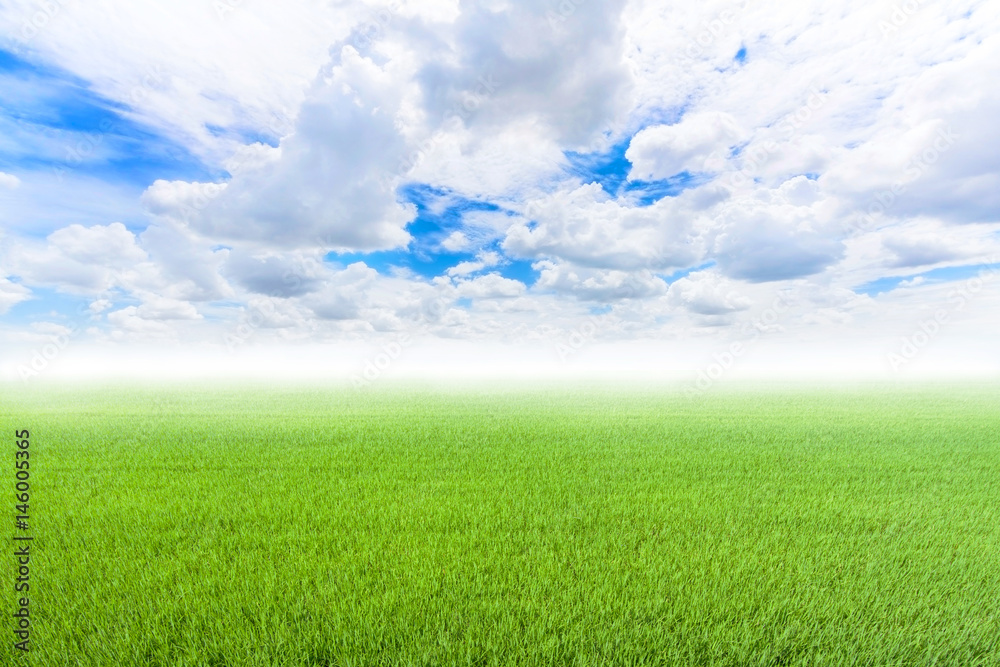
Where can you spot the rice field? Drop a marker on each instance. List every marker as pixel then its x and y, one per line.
pixel 310 525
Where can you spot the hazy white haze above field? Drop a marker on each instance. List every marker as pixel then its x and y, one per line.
pixel 363 190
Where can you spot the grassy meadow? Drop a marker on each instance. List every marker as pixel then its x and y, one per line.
pixel 303 525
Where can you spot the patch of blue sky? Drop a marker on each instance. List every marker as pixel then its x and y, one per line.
pixel 646 193
pixel 599 310
pixel 61 123
pixel 611 168
pixel 11 62
pixel 221 311
pixel 391 262
pixel 684 273
pixel 942 275
pixel 440 212
pixel 741 55
pixel 50 305
pixel 520 270
pixel 431 263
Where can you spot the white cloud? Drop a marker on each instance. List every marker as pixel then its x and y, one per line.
pixel 11 294
pixel 78 258
pixel 919 251
pixel 568 73
pixel 483 260
pixel 187 267
pixel 109 246
pixel 128 322
pixel 663 151
pixel 490 286
pixel 9 181
pixel 157 308
pixel 455 242
pixel 99 306
pixel 277 274
pixel 332 185
pixel 774 240
pixel 587 227
pixel 707 293
pixel 345 293
pixel 180 199
pixel 597 284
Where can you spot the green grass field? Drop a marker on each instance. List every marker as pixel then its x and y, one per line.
pixel 393 526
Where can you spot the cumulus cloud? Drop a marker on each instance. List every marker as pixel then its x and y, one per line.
pixel 483 260
pixel 157 308
pixel 128 322
pixel 663 151
pixel 276 274
pixel 344 293
pixel 587 227
pixel 78 258
pixel 707 293
pixel 597 284
pixel 109 246
pixel 333 184
pixel 520 59
pixel 455 242
pixel 490 286
pixel 187 267
pixel 919 251
pixel 766 241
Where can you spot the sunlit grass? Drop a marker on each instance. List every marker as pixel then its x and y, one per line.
pixel 310 526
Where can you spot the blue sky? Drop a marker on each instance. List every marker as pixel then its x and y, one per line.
pixel 669 182
pixel 57 123
pixel 946 274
